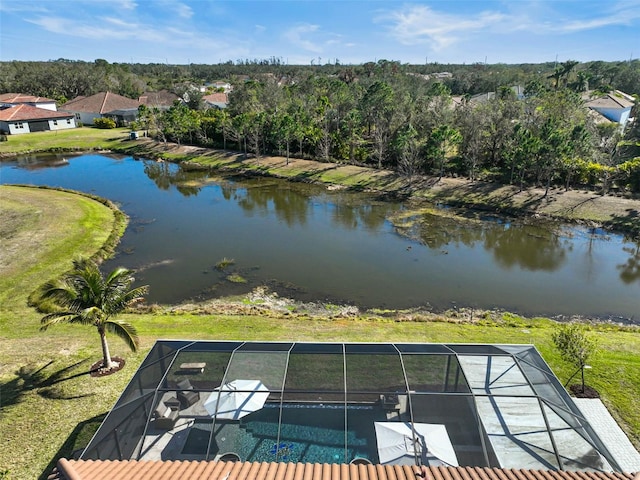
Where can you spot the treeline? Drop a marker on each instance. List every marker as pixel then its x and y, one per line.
pixel 65 79
pixel 383 114
pixel 413 126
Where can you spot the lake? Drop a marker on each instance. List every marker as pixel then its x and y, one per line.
pixel 308 243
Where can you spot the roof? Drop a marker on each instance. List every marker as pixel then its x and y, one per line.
pixel 215 98
pixel 196 470
pixel 24 112
pixel 614 99
pixel 103 102
pixel 163 98
pixel 21 98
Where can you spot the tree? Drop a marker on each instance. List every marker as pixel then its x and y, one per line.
pixel 86 297
pixel 575 347
pixel 441 140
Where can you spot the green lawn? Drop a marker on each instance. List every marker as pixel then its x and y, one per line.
pixel 80 139
pixel 49 406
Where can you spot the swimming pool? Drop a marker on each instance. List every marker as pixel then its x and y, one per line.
pixel 308 433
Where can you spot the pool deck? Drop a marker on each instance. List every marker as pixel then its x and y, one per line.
pixel 610 433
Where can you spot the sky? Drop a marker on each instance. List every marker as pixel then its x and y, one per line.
pixel 315 31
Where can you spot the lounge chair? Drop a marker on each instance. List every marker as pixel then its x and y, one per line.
pixel 186 394
pixel 165 416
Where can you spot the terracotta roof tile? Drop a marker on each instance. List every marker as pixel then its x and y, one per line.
pixel 216 98
pixel 25 112
pixel 163 98
pixel 103 102
pixel 21 98
pixel 200 470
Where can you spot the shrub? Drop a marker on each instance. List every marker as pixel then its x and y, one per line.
pixel 631 171
pixel 104 123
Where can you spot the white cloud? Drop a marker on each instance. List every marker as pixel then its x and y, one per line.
pixel 184 11
pixel 415 24
pixel 298 36
pixel 420 24
pixel 621 14
pixel 108 29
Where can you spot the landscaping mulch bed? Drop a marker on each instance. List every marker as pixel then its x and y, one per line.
pixel 97 369
pixel 589 392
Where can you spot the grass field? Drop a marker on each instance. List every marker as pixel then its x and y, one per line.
pixel 43 374
pixel 80 139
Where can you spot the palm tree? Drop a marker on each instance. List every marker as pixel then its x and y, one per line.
pixel 86 297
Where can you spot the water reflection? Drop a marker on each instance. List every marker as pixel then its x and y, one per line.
pixel 166 175
pixel 533 249
pixel 313 244
pixel 530 247
pixel 630 270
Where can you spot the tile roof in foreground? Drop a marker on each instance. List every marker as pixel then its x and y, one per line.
pixel 26 112
pixel 200 470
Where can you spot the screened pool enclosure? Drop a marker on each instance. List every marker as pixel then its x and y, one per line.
pixel 395 403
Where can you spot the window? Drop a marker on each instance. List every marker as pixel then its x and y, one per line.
pixel 68 121
pixel 55 122
pixel 19 125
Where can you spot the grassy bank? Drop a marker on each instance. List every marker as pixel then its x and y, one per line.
pixel 43 375
pixel 76 139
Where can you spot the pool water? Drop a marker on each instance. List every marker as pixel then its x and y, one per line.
pixel 305 436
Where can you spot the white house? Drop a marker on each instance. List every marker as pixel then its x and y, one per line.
pixel 24 118
pixel 615 106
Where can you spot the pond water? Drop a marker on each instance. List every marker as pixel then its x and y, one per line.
pixel 311 244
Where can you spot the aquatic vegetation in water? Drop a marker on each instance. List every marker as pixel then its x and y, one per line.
pixel 224 263
pixel 236 278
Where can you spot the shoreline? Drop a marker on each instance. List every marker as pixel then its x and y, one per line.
pixel 613 213
pixel 610 212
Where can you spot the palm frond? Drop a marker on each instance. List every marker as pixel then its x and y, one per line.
pixel 56 318
pixel 125 331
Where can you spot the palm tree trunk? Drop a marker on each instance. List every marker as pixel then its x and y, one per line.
pixel 106 356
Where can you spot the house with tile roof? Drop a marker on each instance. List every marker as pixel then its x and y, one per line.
pixel 216 100
pixel 162 100
pixel 24 118
pixel 104 104
pixel 13 99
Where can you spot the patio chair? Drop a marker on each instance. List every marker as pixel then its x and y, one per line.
pixel 186 394
pixel 165 416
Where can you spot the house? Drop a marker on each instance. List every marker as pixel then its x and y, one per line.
pixel 13 99
pixel 162 100
pixel 24 118
pixel 104 104
pixel 615 106
pixel 327 406
pixel 348 411
pixel 216 100
pixel 220 84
